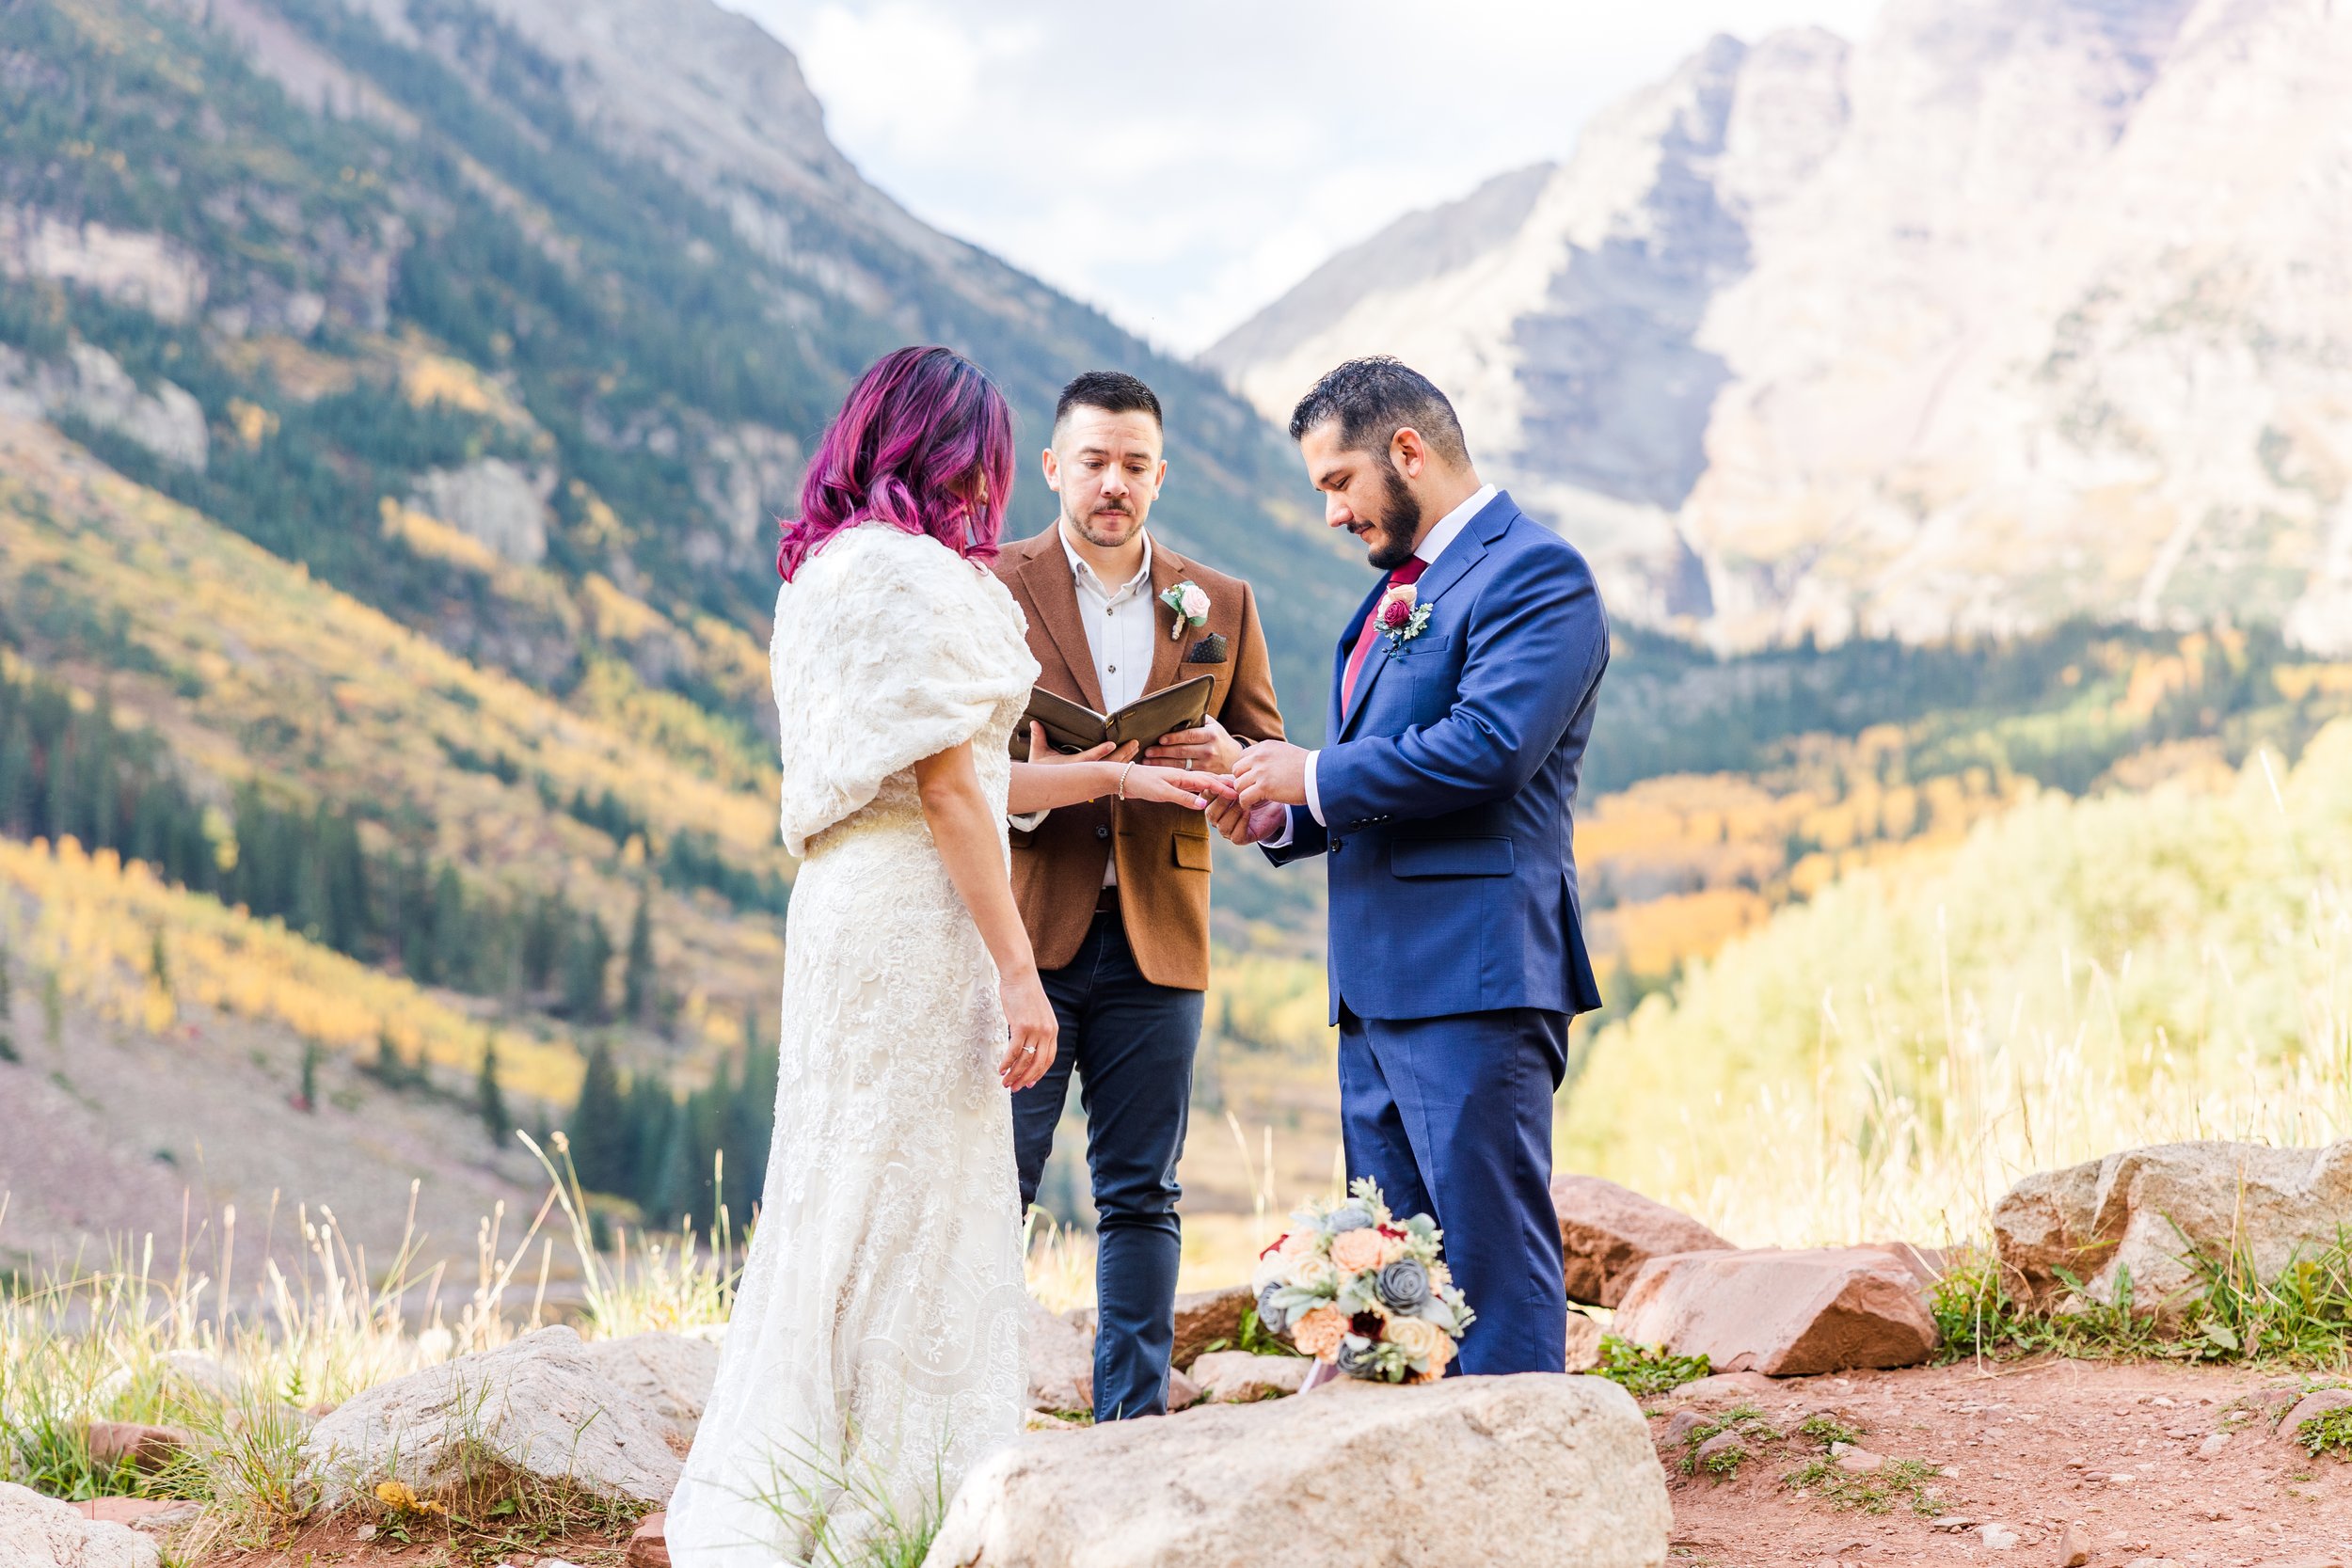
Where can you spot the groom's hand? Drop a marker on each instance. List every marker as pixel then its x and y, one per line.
pixel 1272 772
pixel 1240 825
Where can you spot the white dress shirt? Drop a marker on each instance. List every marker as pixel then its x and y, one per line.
pixel 1123 628
pixel 1431 545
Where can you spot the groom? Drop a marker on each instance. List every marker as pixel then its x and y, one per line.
pixel 1462 695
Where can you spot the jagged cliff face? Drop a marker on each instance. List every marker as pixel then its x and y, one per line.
pixel 2016 311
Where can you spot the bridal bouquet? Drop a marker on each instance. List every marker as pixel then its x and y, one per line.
pixel 1357 1289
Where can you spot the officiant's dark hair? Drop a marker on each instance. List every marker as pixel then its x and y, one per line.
pixel 1374 398
pixel 1112 391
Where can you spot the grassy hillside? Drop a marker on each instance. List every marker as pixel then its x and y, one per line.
pixel 468 276
pixel 2079 975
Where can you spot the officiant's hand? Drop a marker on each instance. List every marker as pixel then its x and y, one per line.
pixel 1041 751
pixel 1272 772
pixel 1207 748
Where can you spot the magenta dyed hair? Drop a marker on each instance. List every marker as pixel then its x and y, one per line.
pixel 910 437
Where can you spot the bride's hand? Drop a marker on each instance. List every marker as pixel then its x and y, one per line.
pixel 1035 1031
pixel 1173 786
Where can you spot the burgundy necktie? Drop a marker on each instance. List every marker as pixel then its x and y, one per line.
pixel 1408 573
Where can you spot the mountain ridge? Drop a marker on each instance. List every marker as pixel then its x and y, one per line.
pixel 2005 314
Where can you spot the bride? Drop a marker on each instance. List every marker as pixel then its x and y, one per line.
pixel 875 1350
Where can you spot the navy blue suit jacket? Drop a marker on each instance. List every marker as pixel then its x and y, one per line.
pixel 1449 789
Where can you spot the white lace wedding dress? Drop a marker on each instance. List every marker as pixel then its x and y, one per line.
pixel 876 1347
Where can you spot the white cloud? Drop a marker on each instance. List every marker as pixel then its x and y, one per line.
pixel 1182 164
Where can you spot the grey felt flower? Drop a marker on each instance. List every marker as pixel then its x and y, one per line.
pixel 1402 1286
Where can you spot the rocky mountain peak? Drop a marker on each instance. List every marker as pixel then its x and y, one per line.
pixel 2011 312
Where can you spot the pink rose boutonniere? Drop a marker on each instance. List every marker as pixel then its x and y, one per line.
pixel 1401 616
pixel 1190 603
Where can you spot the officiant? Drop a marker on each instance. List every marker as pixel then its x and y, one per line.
pixel 1115 893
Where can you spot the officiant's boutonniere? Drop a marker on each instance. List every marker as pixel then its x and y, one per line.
pixel 1189 602
pixel 1401 616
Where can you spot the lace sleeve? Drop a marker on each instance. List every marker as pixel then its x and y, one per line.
pixel 889 648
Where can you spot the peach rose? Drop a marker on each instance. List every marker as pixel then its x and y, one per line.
pixel 1355 1251
pixel 1319 1333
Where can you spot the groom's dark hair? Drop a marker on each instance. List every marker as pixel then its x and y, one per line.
pixel 1374 398
pixel 1112 391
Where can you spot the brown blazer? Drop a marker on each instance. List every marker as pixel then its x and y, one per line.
pixel 1162 850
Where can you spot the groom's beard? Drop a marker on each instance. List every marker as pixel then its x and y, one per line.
pixel 1399 525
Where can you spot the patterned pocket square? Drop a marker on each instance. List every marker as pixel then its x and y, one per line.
pixel 1209 650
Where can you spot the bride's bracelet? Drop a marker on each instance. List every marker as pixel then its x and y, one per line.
pixel 1122 780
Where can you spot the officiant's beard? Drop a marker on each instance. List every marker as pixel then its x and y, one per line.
pixel 1090 527
pixel 1399 525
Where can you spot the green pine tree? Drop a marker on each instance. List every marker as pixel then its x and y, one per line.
pixel 637 974
pixel 586 956
pixel 487 1095
pixel 599 1126
pixel 311 1075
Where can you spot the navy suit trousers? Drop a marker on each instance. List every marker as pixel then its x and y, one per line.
pixel 1131 1044
pixel 1453 1117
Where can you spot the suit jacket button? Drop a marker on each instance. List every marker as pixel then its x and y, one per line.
pixel 1101 832
pixel 1338 845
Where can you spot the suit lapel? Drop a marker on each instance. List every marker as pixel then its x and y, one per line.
pixel 1468 548
pixel 1046 576
pixel 1168 644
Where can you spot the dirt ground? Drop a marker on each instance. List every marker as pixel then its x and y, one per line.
pixel 2119 1452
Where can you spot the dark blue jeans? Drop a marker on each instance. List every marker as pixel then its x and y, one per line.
pixel 1131 1044
pixel 1453 1117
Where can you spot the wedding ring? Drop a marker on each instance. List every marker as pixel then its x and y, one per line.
pixel 1188 764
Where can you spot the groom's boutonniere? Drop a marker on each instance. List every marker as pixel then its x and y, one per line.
pixel 1401 616
pixel 1190 603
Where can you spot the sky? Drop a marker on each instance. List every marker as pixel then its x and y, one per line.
pixel 1181 165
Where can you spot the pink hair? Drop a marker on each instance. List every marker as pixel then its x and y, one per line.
pixel 913 437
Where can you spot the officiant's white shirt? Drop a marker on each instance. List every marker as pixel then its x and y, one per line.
pixel 1121 626
pixel 1433 544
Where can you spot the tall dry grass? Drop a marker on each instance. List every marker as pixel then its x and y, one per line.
pixel 2081 977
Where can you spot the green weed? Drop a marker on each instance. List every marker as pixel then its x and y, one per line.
pixel 1826 1428
pixel 2330 1432
pixel 1646 1371
pixel 1744 1421
pixel 1904 1482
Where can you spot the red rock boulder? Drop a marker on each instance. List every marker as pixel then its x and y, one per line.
pixel 1784 1314
pixel 649 1545
pixel 134 1443
pixel 1607 1232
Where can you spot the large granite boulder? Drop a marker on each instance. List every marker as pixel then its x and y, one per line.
pixel 1237 1377
pixel 1607 1232
pixel 42 1532
pixel 1498 1471
pixel 1061 1359
pixel 538 1407
pixel 668 1374
pixel 1203 1318
pixel 2143 1213
pixel 1784 1314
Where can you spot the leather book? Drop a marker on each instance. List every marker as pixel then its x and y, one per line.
pixel 1076 727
